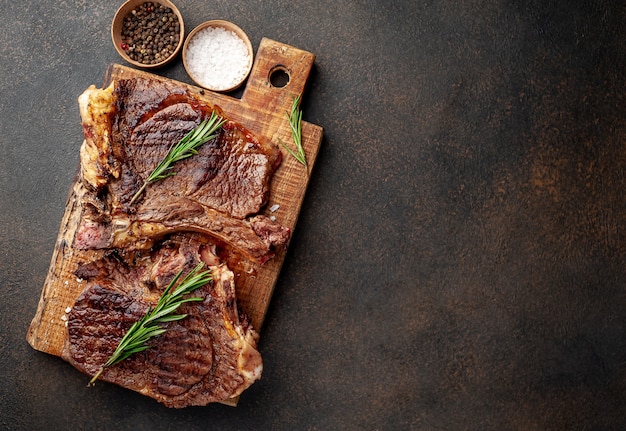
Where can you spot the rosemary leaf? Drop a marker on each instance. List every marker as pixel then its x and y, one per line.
pixel 186 147
pixel 295 124
pixel 134 341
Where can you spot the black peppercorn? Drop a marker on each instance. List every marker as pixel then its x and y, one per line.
pixel 145 30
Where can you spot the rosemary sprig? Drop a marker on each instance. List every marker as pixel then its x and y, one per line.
pixel 134 341
pixel 186 147
pixel 295 124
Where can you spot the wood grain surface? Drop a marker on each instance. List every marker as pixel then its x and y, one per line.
pixel 262 109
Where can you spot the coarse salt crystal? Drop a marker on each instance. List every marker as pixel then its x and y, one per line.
pixel 274 208
pixel 273 218
pixel 217 58
pixel 68 309
pixel 64 318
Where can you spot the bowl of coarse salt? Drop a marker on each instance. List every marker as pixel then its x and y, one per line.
pixel 217 55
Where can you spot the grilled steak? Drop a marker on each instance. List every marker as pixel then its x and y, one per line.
pixel 209 211
pixel 129 127
pixel 208 356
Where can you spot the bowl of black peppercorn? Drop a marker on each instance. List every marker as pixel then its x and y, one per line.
pixel 148 34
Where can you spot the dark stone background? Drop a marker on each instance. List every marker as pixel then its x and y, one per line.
pixel 459 262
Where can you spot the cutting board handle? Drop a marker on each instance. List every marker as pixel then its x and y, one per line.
pixel 277 58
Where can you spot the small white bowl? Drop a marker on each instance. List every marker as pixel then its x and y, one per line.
pixel 218 80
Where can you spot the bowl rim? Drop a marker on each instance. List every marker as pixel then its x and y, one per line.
pixel 228 25
pixel 116 25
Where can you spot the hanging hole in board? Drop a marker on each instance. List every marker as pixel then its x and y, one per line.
pixel 279 77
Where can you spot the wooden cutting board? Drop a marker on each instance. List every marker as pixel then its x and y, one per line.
pixel 263 110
